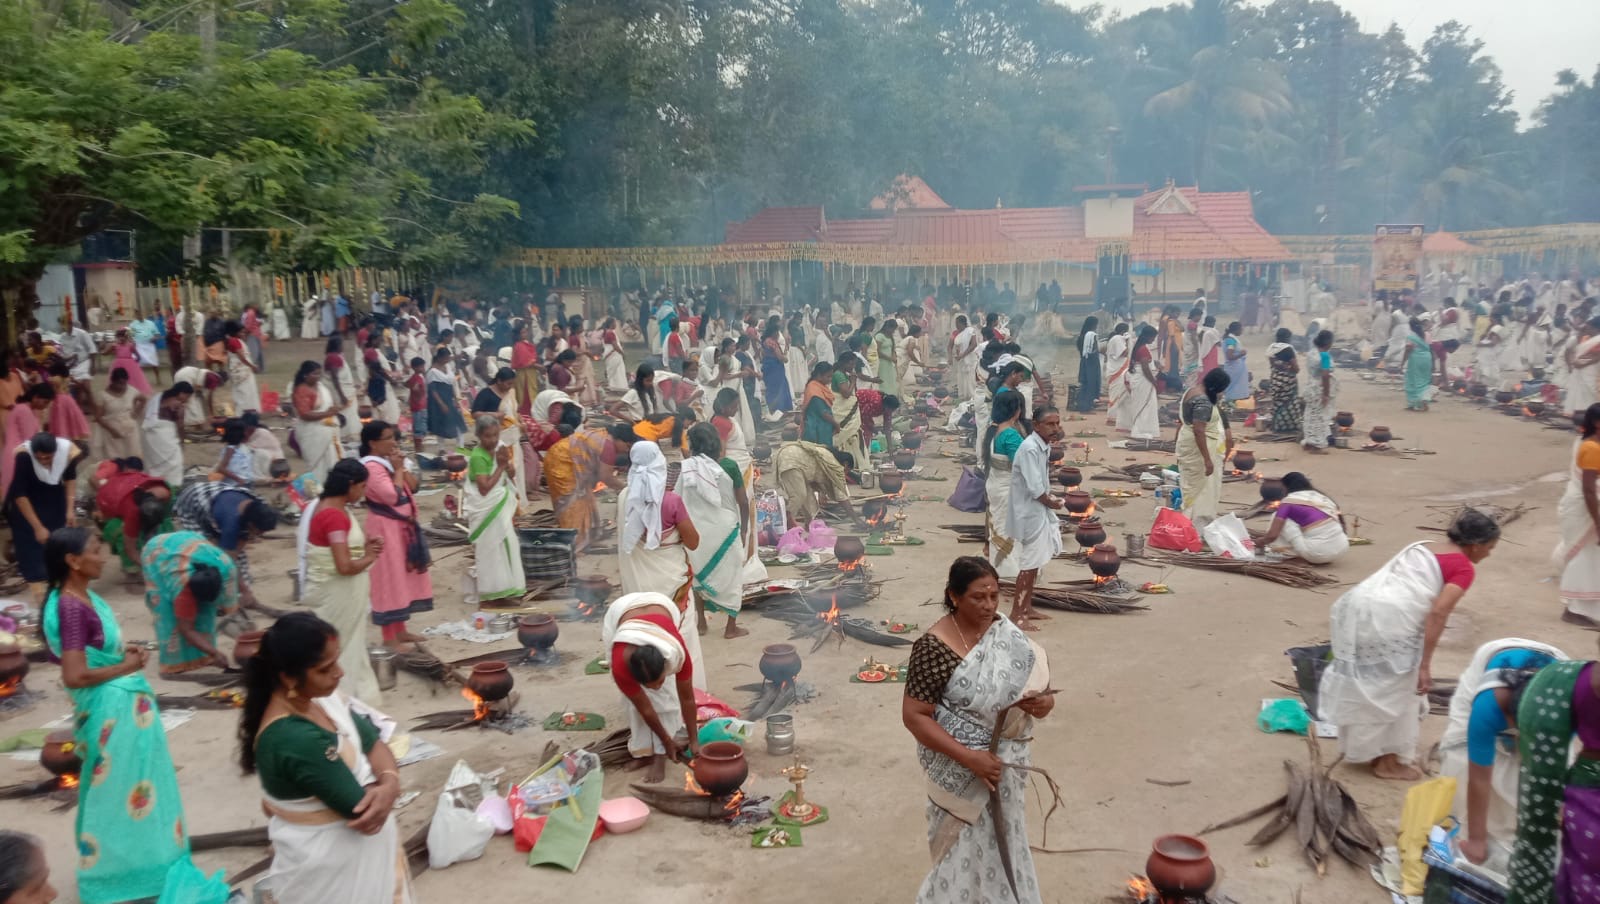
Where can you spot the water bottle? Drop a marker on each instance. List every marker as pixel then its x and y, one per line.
pixel 1161 499
pixel 1177 499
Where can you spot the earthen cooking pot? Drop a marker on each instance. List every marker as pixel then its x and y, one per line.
pixel 1380 434
pixel 60 754
pixel 1079 501
pixel 905 459
pixel 849 548
pixel 1057 453
pixel 1090 532
pixel 1272 489
pixel 13 664
pixel 455 461
pixel 720 768
pixel 246 645
pixel 761 451
pixel 911 441
pixel 1345 419
pixel 1104 560
pixel 780 662
pixel 891 482
pixel 1244 460
pixel 491 681
pixel 593 589
pixel 1069 477
pixel 1180 866
pixel 538 631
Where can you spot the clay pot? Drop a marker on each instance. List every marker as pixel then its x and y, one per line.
pixel 1090 532
pixel 905 459
pixel 720 768
pixel 780 662
pixel 911 442
pixel 246 645
pixel 1244 460
pixel 1079 501
pixel 455 461
pixel 1057 453
pixel 538 631
pixel 13 664
pixel 891 481
pixel 761 451
pixel 1069 477
pixel 791 433
pixel 1345 419
pixel 940 393
pixel 1104 560
pixel 1272 489
pixel 872 511
pixel 1380 435
pixel 491 681
pixel 1180 866
pixel 592 589
pixel 1504 397
pixel 364 412
pixel 60 754
pixel 1477 390
pixel 849 549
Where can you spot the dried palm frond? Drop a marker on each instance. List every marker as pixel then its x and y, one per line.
pixel 1290 574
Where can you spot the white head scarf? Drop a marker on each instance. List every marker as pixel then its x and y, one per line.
pixel 51 474
pixel 647 484
pixel 546 398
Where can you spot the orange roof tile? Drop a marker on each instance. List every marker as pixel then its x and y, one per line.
pixel 908 193
pixel 1442 242
pixel 777 224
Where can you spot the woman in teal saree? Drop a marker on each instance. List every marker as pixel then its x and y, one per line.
pixel 132 842
pixel 190 585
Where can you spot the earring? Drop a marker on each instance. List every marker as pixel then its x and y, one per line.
pixel 293 694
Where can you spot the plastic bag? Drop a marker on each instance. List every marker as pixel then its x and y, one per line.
pixel 1426 804
pixel 820 535
pixel 496 812
pixel 793 543
pixel 456 833
pixel 725 729
pixel 1174 531
pixel 1284 714
pixel 1227 536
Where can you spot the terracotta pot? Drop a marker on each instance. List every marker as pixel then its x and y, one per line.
pixel 849 549
pixel 872 511
pixel 1057 453
pixel 1504 397
pixel 911 442
pixel 60 754
pixel 490 680
pixel 1244 460
pixel 791 433
pixel 1180 866
pixel 592 589
pixel 455 462
pixel 1272 489
pixel 780 662
pixel 1079 501
pixel 1104 560
pixel 1090 533
pixel 1069 477
pixel 1477 390
pixel 720 768
pixel 1380 435
pixel 538 631
pixel 891 481
pixel 761 451
pixel 1345 419
pixel 13 664
pixel 940 393
pixel 905 459
pixel 246 645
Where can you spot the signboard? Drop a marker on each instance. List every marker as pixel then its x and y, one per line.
pixel 1396 256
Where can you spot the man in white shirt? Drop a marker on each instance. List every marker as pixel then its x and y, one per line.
pixel 1031 521
pixel 78 347
pixel 963 358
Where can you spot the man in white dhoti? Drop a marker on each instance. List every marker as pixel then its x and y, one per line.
pixel 1031 522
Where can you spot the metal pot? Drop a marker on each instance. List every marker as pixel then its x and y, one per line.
pixel 1134 544
pixel 383 666
pixel 780 734
pixel 502 624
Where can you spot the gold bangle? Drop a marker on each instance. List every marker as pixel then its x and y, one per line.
pixel 389 772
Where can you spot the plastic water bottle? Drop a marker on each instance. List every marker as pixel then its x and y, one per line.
pixel 1177 499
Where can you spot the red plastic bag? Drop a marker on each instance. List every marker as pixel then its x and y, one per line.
pixel 1173 530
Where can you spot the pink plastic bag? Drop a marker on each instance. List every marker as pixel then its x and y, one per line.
pixel 822 536
pixel 1173 530
pixel 794 543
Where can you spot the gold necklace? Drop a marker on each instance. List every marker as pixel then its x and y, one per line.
pixel 956 622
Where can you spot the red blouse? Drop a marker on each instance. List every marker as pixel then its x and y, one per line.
pixel 1456 568
pixel 329 526
pixel 619 657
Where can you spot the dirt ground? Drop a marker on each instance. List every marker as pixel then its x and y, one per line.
pixel 1168 695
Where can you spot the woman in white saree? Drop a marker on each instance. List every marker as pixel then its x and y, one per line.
pixel 316 426
pixel 335 554
pixel 612 360
pixel 1385 630
pixel 718 508
pixel 1578 553
pixel 162 434
pixel 328 780
pixel 1001 441
pixel 1142 406
pixel 656 529
pixel 1116 351
pixel 974 686
pixel 647 638
pixel 1307 523
pixel 489 503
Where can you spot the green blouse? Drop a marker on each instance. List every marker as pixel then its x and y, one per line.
pixel 480 461
pixel 297 758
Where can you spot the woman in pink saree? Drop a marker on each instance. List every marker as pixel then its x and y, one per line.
pixel 401 585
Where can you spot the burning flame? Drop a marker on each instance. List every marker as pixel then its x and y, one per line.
pixel 68 781
pixel 690 786
pixel 10 686
pixel 832 615
pixel 1085 514
pixel 849 566
pixel 1141 889
pixel 586 610
pixel 734 802
pixel 1273 505
pixel 1102 580
pixel 480 707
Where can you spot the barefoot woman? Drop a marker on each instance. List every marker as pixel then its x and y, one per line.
pixel 1385 630
pixel 644 634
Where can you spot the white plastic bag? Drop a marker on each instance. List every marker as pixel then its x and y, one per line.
pixel 1227 536
pixel 456 833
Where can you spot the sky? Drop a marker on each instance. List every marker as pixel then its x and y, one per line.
pixel 1531 40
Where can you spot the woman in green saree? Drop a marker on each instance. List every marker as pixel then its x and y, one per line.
pixel 1418 362
pixel 190 584
pixel 132 842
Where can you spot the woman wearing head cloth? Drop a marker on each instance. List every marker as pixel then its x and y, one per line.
pixel 655 528
pixel 39 500
pixel 648 640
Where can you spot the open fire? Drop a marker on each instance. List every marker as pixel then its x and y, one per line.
pixel 1083 515
pixel 480 706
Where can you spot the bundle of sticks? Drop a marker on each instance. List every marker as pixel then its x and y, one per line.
pixel 1289 574
pixel 1077 599
pixel 1324 816
pixel 1501 514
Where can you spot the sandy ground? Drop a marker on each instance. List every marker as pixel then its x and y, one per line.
pixel 1170 694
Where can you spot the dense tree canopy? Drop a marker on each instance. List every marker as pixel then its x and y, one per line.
pixel 437 133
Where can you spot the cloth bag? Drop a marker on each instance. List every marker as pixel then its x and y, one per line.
pixel 1174 531
pixel 970 494
pixel 1227 536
